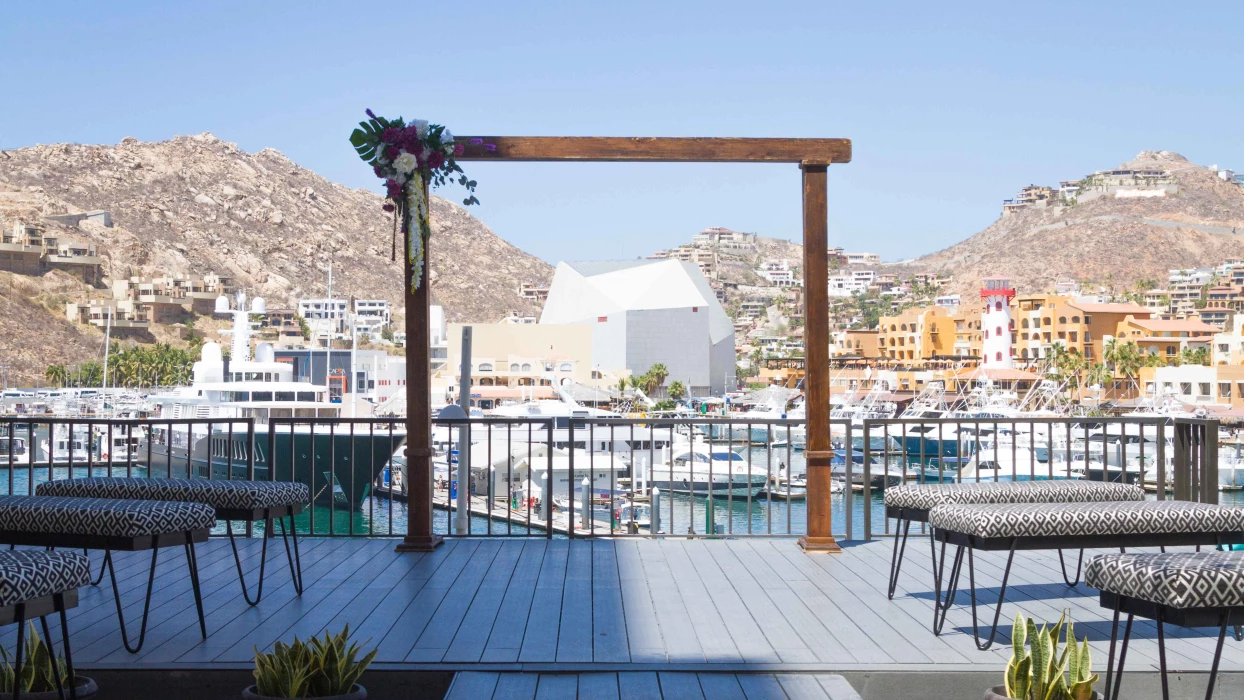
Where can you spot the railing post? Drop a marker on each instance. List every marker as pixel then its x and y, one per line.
pixel 868 477
pixel 1209 463
pixel 848 497
pixel 1183 453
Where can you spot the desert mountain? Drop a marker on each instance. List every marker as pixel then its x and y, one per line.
pixel 1110 240
pixel 197 204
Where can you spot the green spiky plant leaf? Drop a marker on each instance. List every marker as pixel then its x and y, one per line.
pixel 38 667
pixel 1047 663
pixel 314 669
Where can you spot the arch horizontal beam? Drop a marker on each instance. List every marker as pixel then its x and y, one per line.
pixel 655 149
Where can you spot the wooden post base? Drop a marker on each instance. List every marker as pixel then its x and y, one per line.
pixel 819 545
pixel 426 543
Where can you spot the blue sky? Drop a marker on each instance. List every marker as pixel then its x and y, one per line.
pixel 951 107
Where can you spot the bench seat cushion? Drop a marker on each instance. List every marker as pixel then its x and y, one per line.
pixel 1108 518
pixel 26 574
pixel 927 496
pixel 1178 580
pixel 231 494
pixel 104 517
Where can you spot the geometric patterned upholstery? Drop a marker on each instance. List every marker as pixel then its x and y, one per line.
pixel 927 496
pixel 26 575
pixel 101 516
pixel 1177 580
pixel 239 494
pixel 1103 518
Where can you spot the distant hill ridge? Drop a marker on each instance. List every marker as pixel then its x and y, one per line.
pixel 197 204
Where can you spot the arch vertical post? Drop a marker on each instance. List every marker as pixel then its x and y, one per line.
pixel 419 535
pixel 819 454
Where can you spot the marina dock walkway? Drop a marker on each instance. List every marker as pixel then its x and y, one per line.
pixel 621 605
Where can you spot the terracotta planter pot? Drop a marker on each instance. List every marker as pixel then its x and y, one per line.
pixel 358 693
pixel 998 692
pixel 85 686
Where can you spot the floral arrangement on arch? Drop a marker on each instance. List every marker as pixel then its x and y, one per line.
pixel 411 158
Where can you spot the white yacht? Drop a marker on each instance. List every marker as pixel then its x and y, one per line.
pixel 338 462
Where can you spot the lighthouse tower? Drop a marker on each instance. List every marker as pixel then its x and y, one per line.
pixel 996 294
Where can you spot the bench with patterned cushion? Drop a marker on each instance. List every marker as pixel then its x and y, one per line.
pixel 1186 589
pixel 1178 580
pixel 1099 519
pixel 28 574
pixel 230 498
pixel 924 497
pixel 52 516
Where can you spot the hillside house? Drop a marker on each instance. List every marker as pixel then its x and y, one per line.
pixel 30 249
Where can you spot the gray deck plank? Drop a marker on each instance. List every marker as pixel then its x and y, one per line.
pixel 643 630
pixel 837 687
pixel 473 685
pixel 639 685
pixel 684 686
pixel 739 563
pixel 575 638
pixel 745 632
pixel 706 618
pixel 410 625
pixel 444 624
pixel 516 686
pixel 761 686
pixel 721 686
pixel 598 686
pixel 544 620
pixel 610 643
pixel 671 610
pixel 506 637
pixel 557 687
pixel 801 686
pixel 472 635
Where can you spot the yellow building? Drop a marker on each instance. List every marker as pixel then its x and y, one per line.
pixel 855 343
pixel 917 334
pixel 523 361
pixel 1166 338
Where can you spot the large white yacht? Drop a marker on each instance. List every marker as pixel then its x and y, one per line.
pixel 294 419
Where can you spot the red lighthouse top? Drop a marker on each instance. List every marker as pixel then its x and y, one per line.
pixel 997 287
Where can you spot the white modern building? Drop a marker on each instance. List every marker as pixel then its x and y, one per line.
pixel 326 318
pixel 371 316
pixel 645 312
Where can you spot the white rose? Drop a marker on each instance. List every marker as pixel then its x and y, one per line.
pixel 405 163
pixel 425 154
pixel 421 127
pixel 400 178
pixel 447 137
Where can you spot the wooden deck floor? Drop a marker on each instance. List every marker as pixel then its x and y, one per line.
pixel 650 685
pixel 622 605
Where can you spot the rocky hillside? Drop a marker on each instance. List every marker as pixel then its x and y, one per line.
pixel 197 204
pixel 1108 241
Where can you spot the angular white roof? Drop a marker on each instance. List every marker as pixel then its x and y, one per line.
pixel 584 291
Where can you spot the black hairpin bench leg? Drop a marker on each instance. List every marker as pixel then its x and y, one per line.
pixel 1166 691
pixel 20 616
pixel 939 606
pixel 295 563
pixel 997 613
pixel 1115 678
pixel 59 600
pixel 263 562
pixel 47 637
pixel 1213 669
pixel 192 563
pixel 1063 566
pixel 102 567
pixel 896 560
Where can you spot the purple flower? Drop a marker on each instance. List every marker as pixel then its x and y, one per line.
pixel 490 147
pixel 476 142
pixel 378 170
pixel 394 188
pixel 388 206
pixel 371 114
pixel 392 152
pixel 459 149
pixel 391 135
pixel 436 160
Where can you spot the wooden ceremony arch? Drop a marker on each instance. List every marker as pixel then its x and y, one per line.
pixel 813 157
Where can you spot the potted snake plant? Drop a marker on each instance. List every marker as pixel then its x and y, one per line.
pixel 39 672
pixel 1042 671
pixel 327 668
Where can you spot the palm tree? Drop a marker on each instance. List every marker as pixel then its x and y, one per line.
pixel 56 375
pixel 1098 373
pixel 677 390
pixel 659 373
pixel 1195 356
